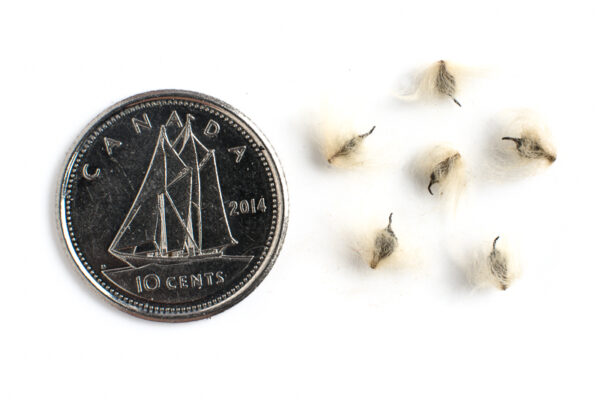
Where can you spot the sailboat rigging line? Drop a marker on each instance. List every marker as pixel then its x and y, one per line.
pixel 183 225
pixel 188 122
pixel 121 231
pixel 180 176
pixel 205 159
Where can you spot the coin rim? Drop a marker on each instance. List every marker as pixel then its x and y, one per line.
pixel 247 288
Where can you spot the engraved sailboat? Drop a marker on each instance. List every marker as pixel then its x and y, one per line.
pixel 178 215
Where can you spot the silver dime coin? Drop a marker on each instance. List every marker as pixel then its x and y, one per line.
pixel 173 205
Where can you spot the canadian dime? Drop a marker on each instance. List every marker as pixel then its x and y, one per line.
pixel 173 205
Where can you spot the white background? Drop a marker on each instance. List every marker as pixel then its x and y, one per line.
pixel 321 325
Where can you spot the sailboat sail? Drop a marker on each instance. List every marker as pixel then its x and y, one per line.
pixel 212 207
pixel 178 211
pixel 190 154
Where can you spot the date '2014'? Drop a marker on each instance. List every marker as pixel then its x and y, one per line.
pixel 251 206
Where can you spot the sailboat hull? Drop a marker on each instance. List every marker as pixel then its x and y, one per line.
pixel 138 261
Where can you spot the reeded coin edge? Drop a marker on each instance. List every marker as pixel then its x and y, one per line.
pixel 251 133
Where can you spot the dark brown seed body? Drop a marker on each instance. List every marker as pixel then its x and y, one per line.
pixel 498 266
pixel 530 148
pixel 445 83
pixel 441 170
pixel 349 146
pixel 385 244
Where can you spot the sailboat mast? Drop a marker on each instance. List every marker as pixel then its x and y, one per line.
pixel 163 224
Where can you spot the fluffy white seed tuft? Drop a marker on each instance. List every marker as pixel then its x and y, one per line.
pixel 523 143
pixel 382 247
pixel 441 170
pixel 345 149
pixel 441 80
pixel 495 265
